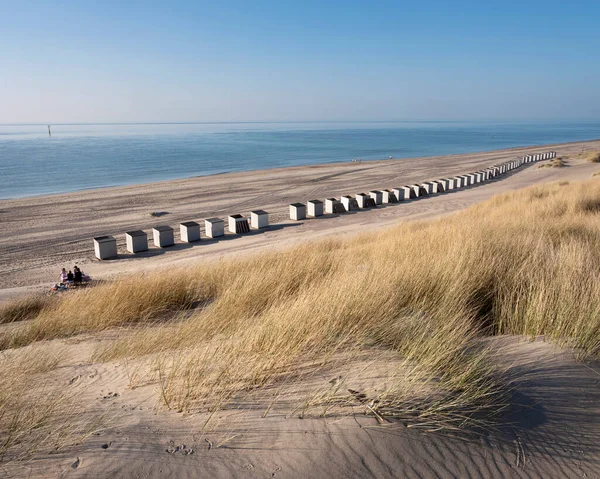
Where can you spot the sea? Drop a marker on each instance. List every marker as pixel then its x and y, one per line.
pixel 84 156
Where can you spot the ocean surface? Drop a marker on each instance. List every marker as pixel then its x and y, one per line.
pixel 83 156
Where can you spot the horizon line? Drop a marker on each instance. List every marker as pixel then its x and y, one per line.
pixel 299 121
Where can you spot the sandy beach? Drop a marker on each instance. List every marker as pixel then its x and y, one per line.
pixel 40 235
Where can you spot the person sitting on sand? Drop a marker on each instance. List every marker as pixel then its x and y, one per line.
pixel 77 276
pixel 70 277
pixel 63 276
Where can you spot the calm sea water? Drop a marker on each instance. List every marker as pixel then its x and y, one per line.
pixel 89 156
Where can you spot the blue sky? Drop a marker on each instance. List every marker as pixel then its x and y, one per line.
pixel 127 61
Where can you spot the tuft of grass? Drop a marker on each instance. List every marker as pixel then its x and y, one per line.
pixel 559 162
pixel 22 309
pixel 592 157
pixel 37 414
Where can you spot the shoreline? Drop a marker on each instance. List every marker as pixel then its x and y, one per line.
pixel 306 165
pixel 44 233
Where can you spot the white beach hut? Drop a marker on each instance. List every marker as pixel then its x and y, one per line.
pixel 297 211
pixel 377 196
pixel 189 231
pixel 315 208
pixel 214 227
pixel 259 219
pixel 237 224
pixel 163 236
pixel 388 196
pixel 136 241
pixel 333 205
pixel 105 247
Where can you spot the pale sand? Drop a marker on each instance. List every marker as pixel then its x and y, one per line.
pixel 553 430
pixel 40 235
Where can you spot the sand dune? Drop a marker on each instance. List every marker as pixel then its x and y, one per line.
pixel 553 431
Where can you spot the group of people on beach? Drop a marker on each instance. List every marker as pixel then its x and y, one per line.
pixel 73 277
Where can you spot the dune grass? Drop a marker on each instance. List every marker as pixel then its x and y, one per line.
pixel 37 413
pixel 422 294
pixel 25 308
pixel 554 163
pixel 592 157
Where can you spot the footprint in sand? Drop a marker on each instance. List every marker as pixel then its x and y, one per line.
pixel 181 449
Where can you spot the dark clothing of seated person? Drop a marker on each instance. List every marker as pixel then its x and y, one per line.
pixel 78 277
pixel 69 276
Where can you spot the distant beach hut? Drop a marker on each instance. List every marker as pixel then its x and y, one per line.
pixel 349 203
pixel 333 205
pixel 137 241
pixel 430 187
pixel 415 191
pixel 163 236
pixel 442 185
pixel 259 219
pixel 365 201
pixel 214 227
pixel 388 196
pixel 297 211
pixel 189 231
pixel 402 193
pixel 105 247
pixel 315 208
pixel 238 224
pixel 377 196
pixel 423 191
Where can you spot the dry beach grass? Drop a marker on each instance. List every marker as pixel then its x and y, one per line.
pixel 555 163
pixel 593 157
pixel 421 297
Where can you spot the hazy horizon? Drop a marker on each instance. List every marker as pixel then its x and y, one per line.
pixel 267 61
pixel 225 122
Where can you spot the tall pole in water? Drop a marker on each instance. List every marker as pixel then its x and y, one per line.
pixel 49 132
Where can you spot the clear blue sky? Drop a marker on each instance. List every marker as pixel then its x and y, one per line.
pixel 105 61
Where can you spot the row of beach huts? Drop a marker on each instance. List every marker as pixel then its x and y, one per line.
pixel 105 247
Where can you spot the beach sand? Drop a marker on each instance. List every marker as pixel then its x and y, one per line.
pixel 553 431
pixel 40 235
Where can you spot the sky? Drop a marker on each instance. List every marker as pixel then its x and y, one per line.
pixel 298 60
